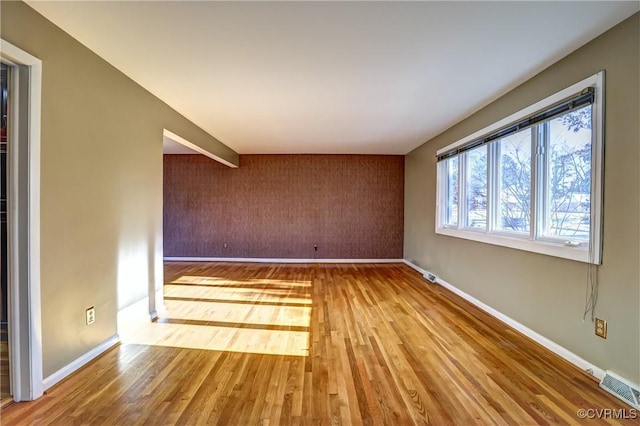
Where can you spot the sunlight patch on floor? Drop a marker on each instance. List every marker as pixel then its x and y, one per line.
pixel 275 296
pixel 191 279
pixel 262 316
pixel 285 316
pixel 232 339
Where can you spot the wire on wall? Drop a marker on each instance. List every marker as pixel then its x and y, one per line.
pixel 591 296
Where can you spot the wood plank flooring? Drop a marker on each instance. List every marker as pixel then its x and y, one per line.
pixel 5 391
pixel 247 344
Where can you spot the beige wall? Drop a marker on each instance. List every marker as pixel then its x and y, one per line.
pixel 546 293
pixel 101 185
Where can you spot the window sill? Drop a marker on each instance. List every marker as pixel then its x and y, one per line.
pixel 580 254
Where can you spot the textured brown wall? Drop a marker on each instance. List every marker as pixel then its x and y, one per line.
pixel 351 206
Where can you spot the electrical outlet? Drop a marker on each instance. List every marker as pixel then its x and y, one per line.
pixel 601 328
pixel 91 315
pixel 225 245
pixel 315 247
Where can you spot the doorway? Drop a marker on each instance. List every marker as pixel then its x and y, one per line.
pixel 20 225
pixel 5 377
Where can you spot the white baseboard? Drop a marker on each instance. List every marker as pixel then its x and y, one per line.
pixel 416 267
pixel 65 371
pixel 561 351
pixel 277 260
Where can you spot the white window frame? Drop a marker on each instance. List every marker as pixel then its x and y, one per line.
pixel 582 251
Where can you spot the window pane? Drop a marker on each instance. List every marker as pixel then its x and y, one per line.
pixel 451 208
pixel 476 186
pixel 515 182
pixel 568 186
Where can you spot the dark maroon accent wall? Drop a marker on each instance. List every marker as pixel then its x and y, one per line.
pixel 280 206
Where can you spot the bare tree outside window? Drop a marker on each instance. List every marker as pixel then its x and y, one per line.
pixel 529 181
pixel 515 182
pixel 477 187
pixel 568 191
pixel 451 217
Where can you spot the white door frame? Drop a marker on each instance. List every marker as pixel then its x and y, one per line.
pixel 23 165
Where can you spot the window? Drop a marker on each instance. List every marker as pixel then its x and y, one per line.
pixel 533 180
pixel 451 194
pixel 567 189
pixel 476 189
pixel 514 180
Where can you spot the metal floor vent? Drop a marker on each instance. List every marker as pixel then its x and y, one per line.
pixel 621 390
pixel 430 277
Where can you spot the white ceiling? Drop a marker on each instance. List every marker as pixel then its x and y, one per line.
pixel 331 77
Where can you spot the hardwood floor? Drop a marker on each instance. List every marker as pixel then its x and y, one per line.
pixel 5 392
pixel 318 344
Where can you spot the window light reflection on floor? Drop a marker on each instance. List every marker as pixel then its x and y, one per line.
pixel 269 342
pixel 239 295
pixel 254 316
pixel 190 279
pixel 284 316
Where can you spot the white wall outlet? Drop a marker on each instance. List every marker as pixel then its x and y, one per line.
pixel 91 315
pixel 601 328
